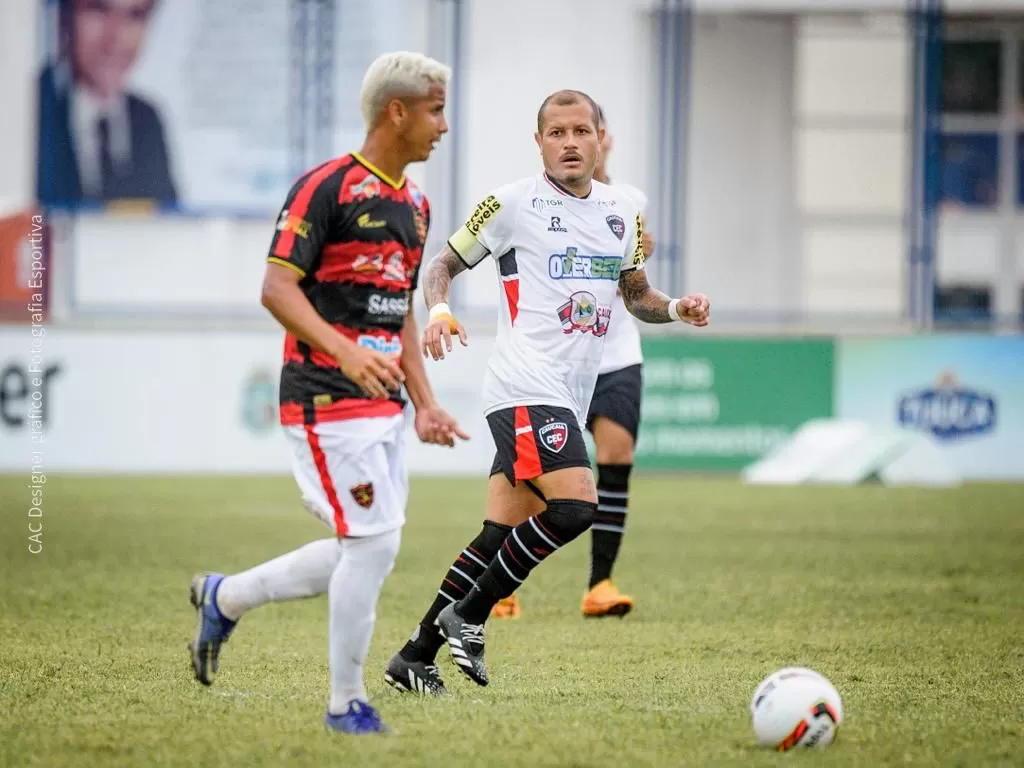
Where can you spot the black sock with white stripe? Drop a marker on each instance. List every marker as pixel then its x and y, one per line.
pixel 526 547
pixel 610 522
pixel 463 574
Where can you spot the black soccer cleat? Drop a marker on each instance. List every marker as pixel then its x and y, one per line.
pixel 414 677
pixel 466 643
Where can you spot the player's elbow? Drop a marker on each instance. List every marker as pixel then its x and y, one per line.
pixel 273 292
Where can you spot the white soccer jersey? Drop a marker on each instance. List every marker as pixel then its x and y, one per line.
pixel 622 343
pixel 558 258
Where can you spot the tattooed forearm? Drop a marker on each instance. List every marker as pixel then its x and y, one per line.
pixel 437 278
pixel 643 302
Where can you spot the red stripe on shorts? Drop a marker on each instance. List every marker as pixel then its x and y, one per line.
pixel 527 465
pixel 340 526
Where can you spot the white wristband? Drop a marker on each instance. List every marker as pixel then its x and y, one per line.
pixel 673 310
pixel 438 310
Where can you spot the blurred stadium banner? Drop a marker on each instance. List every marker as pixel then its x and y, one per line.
pixel 714 404
pixel 719 403
pixel 966 393
pixel 185 402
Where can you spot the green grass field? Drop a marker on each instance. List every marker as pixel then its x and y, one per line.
pixel 911 601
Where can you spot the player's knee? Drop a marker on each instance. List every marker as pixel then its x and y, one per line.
pixel 375 554
pixel 568 518
pixel 614 447
pixel 490 538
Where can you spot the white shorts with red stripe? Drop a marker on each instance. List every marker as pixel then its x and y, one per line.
pixel 352 473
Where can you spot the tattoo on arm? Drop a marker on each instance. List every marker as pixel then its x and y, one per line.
pixel 437 278
pixel 643 302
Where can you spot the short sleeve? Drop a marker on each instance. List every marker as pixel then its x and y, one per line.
pixel 303 223
pixel 488 229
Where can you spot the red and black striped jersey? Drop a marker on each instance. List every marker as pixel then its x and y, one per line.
pixel 357 238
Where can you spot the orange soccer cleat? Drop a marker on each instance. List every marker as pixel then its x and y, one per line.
pixel 604 599
pixel 506 608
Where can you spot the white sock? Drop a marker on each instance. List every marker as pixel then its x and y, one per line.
pixel 354 590
pixel 306 572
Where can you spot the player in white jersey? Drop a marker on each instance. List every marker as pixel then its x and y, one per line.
pixel 614 422
pixel 561 243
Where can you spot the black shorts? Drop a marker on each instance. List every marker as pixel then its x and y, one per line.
pixel 533 440
pixel 617 397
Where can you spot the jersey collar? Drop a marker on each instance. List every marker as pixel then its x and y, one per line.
pixel 378 172
pixel 565 191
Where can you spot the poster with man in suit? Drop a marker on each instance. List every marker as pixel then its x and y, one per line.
pixel 98 140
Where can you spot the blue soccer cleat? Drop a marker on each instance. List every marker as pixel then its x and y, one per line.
pixel 359 718
pixel 212 628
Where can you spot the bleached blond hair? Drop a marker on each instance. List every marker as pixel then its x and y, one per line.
pixel 398 75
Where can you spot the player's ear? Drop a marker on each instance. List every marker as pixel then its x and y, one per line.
pixel 397 112
pixel 539 140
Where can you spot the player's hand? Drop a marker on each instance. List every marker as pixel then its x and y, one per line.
pixel 435 425
pixel 437 335
pixel 695 310
pixel 374 372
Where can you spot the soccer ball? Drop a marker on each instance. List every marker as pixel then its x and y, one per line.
pixel 796 707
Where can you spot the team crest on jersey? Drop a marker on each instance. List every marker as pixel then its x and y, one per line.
pixel 368 187
pixel 616 225
pixel 554 436
pixel 581 314
pixel 363 494
pixel 416 195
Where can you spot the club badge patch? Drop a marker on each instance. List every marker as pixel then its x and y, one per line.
pixel 363 494
pixel 554 436
pixel 616 225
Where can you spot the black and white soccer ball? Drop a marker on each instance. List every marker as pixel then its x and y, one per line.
pixel 796 707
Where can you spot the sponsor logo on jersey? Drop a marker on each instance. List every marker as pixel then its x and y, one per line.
pixel 572 265
pixel 393 268
pixel 365 221
pixel 385 346
pixel 616 225
pixel 554 436
pixel 556 225
pixel 362 493
pixel 368 187
pixel 387 305
pixel 296 224
pixel 948 410
pixel 581 314
pixel 540 203
pixel 484 212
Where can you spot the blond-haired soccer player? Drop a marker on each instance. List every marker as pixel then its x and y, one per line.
pixel 562 245
pixel 343 264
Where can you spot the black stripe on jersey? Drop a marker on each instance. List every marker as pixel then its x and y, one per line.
pixel 358 305
pixel 507 265
pixel 302 382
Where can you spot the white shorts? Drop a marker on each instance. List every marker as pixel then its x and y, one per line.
pixel 352 473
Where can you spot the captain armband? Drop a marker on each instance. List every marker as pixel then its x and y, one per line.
pixel 468 248
pixel 466 242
